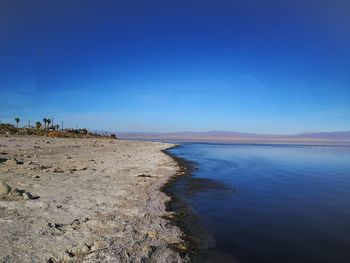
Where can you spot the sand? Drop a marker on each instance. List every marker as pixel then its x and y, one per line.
pixel 86 200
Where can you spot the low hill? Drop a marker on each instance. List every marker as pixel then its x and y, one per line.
pixel 324 138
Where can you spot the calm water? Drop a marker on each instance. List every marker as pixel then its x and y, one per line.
pixel 289 204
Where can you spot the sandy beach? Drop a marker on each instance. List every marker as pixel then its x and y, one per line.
pixel 85 200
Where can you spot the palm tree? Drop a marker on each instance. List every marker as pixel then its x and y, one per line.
pixel 48 123
pixel 38 124
pixel 17 120
pixel 45 121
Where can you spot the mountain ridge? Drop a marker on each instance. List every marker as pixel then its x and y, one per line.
pixel 341 138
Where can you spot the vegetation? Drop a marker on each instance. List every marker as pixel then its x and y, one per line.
pixel 45 122
pixel 17 120
pixel 48 123
pixel 44 129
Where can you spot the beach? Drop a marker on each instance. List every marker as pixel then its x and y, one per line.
pixel 86 200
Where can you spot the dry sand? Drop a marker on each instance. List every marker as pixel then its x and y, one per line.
pixel 94 200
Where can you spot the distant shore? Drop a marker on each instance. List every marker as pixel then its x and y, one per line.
pixel 86 200
pixel 322 139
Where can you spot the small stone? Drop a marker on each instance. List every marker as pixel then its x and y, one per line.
pixel 4 188
pixel 144 175
pixel 13 161
pixel 27 196
pixel 17 192
pixel 56 170
pixel 70 254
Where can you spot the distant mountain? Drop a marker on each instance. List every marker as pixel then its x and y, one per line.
pixel 341 137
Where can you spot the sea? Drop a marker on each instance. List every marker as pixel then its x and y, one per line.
pixel 266 203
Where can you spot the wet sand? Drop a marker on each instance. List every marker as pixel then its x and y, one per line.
pixel 86 200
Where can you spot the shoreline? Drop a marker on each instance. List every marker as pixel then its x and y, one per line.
pixel 200 243
pixel 182 209
pixel 97 201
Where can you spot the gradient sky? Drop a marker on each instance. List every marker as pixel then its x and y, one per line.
pixel 250 66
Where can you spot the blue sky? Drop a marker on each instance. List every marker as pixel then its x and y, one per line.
pixel 249 66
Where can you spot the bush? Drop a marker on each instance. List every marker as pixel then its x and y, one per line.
pixel 57 134
pixel 113 136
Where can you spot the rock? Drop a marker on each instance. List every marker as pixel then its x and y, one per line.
pixel 44 167
pixel 17 192
pixel 70 254
pixel 27 196
pixel 4 188
pixel 85 249
pixel 56 170
pixel 13 161
pixel 144 175
pixel 72 170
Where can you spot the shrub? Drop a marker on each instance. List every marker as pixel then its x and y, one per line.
pixel 57 134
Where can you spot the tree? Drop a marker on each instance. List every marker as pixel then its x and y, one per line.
pixel 57 127
pixel 48 123
pixel 45 121
pixel 38 124
pixel 17 120
pixel 83 131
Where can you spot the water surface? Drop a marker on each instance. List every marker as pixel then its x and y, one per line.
pixel 288 203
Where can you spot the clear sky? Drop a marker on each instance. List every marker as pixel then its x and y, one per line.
pixel 250 66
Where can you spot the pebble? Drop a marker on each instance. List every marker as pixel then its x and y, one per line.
pixel 4 188
pixel 15 161
pixel 27 196
pixel 85 248
pixel 17 192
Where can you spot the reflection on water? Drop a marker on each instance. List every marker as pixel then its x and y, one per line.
pixel 271 203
